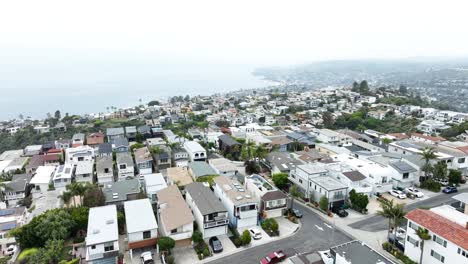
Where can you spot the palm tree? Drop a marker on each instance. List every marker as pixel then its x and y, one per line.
pixel 427 155
pixel 386 211
pixel 66 197
pixel 423 234
pixel 394 213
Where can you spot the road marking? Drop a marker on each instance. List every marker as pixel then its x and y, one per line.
pixel 327 225
pixel 319 228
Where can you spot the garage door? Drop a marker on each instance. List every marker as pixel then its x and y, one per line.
pixel 274 213
pixel 183 242
pixel 215 231
pixel 251 221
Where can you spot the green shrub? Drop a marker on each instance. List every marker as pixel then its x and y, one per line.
pixel 323 203
pixel 431 185
pixel 199 256
pixel 270 226
pixel 166 243
pixel 197 237
pixel 170 259
pixel 206 252
pixel 237 242
pixel 246 238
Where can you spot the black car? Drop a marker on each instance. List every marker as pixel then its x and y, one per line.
pixel 340 212
pixel 450 189
pixel 216 245
pixel 297 213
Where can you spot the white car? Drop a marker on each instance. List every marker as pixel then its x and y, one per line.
pixel 147 257
pixel 444 182
pixel 415 192
pixel 10 251
pixel 398 194
pixel 255 233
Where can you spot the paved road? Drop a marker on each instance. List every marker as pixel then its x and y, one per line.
pixel 314 235
pixel 378 223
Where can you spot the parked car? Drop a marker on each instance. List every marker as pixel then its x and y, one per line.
pixel 450 189
pixel 10 251
pixel 297 213
pixel 414 191
pixel 443 182
pixel 398 194
pixel 147 257
pixel 340 211
pixel 255 233
pixel 216 245
pixel 273 257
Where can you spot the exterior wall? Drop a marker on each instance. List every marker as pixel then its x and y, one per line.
pixel 105 178
pixel 84 178
pixel 62 182
pixel 94 255
pixel 138 236
pixel 185 232
pixel 127 172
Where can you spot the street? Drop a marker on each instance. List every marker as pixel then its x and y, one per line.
pixel 378 223
pixel 314 235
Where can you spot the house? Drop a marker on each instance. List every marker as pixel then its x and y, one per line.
pixel 16 165
pixel 119 192
pixel 131 132
pixel 104 150
pixel 145 131
pixel 41 179
pixel 199 169
pixel 448 233
pixel 84 172
pixel 120 145
pixel 63 175
pixel 52 159
pixel 104 170
pixel 125 165
pixel 281 162
pixel 326 186
pixel 11 154
pixel 241 205
pixel 180 157
pixel 229 146
pixel 79 154
pixel 142 229
pixel 95 139
pixel 34 162
pixel 78 139
pixel 113 133
pixel 61 127
pixel 63 144
pixel 102 240
pixel 178 176
pixel 281 143
pixel 224 167
pixel 209 213
pixel 153 184
pixel 155 142
pixel 10 219
pixel 354 252
pixel 162 158
pixel 143 160
pixel 174 216
pixel 32 150
pixel 17 189
pixel 195 151
pixel 273 202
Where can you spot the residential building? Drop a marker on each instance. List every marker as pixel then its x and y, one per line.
pixel 154 183
pixel 78 140
pixel 79 154
pixel 178 176
pixel 34 162
pixel 199 169
pixel 32 150
pixel 229 146
pixel 125 165
pixel 241 205
pixel 104 170
pixel 180 157
pixel 142 229
pixel 41 179
pixel 326 186
pixel 63 175
pixel 120 145
pixel 119 192
pixel 143 160
pixel 113 133
pixel 195 151
pixel 174 216
pixel 163 158
pixel 281 162
pixel 95 139
pixel 84 172
pixel 17 189
pixel 209 213
pixel 10 219
pixel 131 132
pixel 102 240
pixel 273 202
pixel 63 144
pixel 104 149
pixel 224 167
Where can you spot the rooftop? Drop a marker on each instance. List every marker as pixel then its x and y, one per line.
pixel 204 198
pixel 43 175
pixel 234 191
pixel 179 176
pixel 358 252
pixel 118 191
pixel 193 146
pixel 173 210
pixel 328 183
pixel 139 216
pixel 201 168
pixel 102 225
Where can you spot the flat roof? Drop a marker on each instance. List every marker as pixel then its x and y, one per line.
pixel 139 216
pixel 43 175
pixel 328 183
pixel 234 191
pixel 358 252
pixel 63 172
pixel 193 146
pixel 204 198
pixel 102 225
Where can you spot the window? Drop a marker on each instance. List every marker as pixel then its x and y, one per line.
pixel 109 246
pixel 93 247
pixel 146 234
pixel 461 160
pixel 122 166
pixel 437 256
pixel 173 231
pixel 413 241
pixel 300 181
pixel 413 226
pixel 462 252
pixel 384 179
pixel 106 170
pixel 80 158
pixel 405 175
pixel 439 240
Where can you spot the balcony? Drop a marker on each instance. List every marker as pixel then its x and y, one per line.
pixel 103 255
pixel 215 223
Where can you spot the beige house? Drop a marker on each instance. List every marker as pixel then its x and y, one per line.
pixel 178 176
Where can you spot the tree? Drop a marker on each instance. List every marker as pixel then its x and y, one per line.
pixel 355 87
pixel 280 180
pixel 57 115
pixel 55 226
pixel 358 201
pixel 246 238
pixel 454 177
pixel 136 146
pixel 323 203
pixel 327 119
pixel 197 237
pixel 393 212
pixel 66 198
pixel 77 189
pixel 427 154
pixel 166 243
pixel 364 88
pixel 424 235
pixel 53 251
pixel 295 193
pixel 440 170
pixel 154 102
pixel 386 141
pixel 93 197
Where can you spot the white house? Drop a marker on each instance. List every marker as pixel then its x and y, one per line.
pixel 195 151
pixel 63 175
pixel 41 179
pixel 102 240
pixel 273 202
pixel 143 160
pixel 142 229
pixel 154 183
pixel 84 171
pixel 125 165
pixel 15 190
pixel 224 167
pixel 449 235
pixel 209 213
pixel 79 154
pixel 104 169
pixel 174 216
pixel 241 205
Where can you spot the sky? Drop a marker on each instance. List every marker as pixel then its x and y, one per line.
pixel 230 32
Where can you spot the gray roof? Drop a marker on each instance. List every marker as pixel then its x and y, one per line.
pixel 105 148
pixel 462 197
pixel 201 168
pixel 115 131
pixel 130 129
pixel 282 160
pixel 120 190
pixel 354 175
pixel 228 140
pixel 18 183
pixel 124 158
pixel 403 167
pixel 119 142
pixel 102 163
pixel 415 159
pixel 358 252
pixel 204 198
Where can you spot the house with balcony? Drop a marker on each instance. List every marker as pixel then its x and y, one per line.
pixel 174 216
pixel 326 186
pixel 180 157
pixel 17 189
pixel 272 202
pixel 142 229
pixel 241 205
pixel 120 145
pixel 102 239
pixel 162 158
pixel 210 214
pixel 104 149
pixel 84 172
pixel 125 165
pixel 143 160
pixel 104 170
pixel 195 151
pixel 153 183
pixel 79 154
pixel 63 175
pixel 300 175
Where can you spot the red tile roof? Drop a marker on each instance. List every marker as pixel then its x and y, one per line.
pixel 399 135
pixel 95 138
pixel 464 149
pixel 441 226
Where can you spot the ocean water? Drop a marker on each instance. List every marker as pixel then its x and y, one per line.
pixel 78 88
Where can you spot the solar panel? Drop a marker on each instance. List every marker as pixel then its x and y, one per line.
pixel 9 226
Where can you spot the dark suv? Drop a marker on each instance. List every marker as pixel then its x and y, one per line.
pixel 340 212
pixel 216 245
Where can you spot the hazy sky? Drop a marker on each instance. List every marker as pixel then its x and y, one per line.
pixel 243 32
